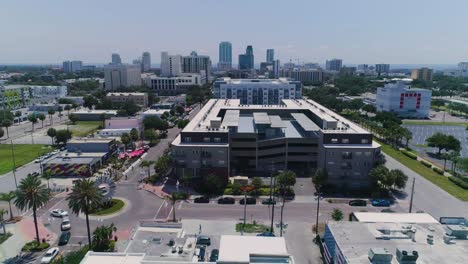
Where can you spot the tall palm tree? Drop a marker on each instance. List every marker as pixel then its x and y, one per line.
pixel 47 176
pixel 173 199
pixel 102 237
pixel 8 197
pixel 84 197
pixel 2 220
pixel 147 164
pixel 31 194
pixel 6 124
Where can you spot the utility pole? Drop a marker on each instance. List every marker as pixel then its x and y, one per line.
pixel 316 221
pixel 412 194
pixel 14 164
pixel 272 209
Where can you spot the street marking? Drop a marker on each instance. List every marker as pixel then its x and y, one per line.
pixel 157 212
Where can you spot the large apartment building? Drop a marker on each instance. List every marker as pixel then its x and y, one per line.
pixel 119 76
pixel 257 91
pixel 303 75
pixel 424 74
pixel 173 85
pixel 140 99
pixel 229 138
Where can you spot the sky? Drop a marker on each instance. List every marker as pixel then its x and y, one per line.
pixel 357 31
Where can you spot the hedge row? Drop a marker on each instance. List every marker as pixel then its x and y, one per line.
pixel 459 182
pixel 409 154
pixel 425 163
pixel 440 171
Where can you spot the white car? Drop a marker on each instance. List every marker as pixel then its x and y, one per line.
pixel 55 152
pixel 59 213
pixel 50 255
pixel 40 159
pixel 66 225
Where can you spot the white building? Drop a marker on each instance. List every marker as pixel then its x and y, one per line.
pixel 199 64
pixel 154 112
pixel 49 91
pixel 404 100
pixel 173 85
pixel 171 65
pixel 146 61
pixel 121 75
pixel 303 75
pixel 257 91
pixel 116 126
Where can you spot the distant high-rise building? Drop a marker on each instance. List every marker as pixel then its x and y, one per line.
pixel 334 65
pixel 463 66
pixel 225 55
pixel 424 74
pixel 146 61
pixel 382 68
pixel 72 66
pixel 347 71
pixel 270 55
pixel 303 75
pixel 195 63
pixel 276 68
pixel 363 67
pixel 246 61
pixel 171 65
pixel 118 76
pixel 116 58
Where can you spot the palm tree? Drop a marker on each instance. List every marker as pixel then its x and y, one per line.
pixel 33 119
pixel 47 176
pixel 285 181
pixel 147 164
pixel 8 197
pixel 31 194
pixel 6 124
pixel 41 117
pixel 173 199
pixel 84 197
pixel 2 220
pixel 102 237
pixel 51 113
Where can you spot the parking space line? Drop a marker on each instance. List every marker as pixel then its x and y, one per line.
pixel 157 212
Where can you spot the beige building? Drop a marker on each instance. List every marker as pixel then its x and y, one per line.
pixel 140 99
pixel 119 76
pixel 424 74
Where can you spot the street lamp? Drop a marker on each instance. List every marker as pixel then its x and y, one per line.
pixel 14 164
pixel 318 210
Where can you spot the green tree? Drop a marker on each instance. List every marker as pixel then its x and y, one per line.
pixel 320 178
pixel 62 136
pixel 41 117
pixel 134 134
pixel 33 119
pixel 103 118
pixel 337 214
pixel 147 164
pixel 407 135
pixel 285 180
pixel 84 197
pixel 102 238
pixel 89 101
pixel 18 114
pixel 8 197
pixel 6 123
pixel 179 109
pixel 150 135
pixel 60 110
pixel 47 176
pixel 51 113
pixel 438 140
pixel 51 132
pixel 173 198
pixel 130 107
pixel 154 122
pixel 2 133
pixel 73 118
pixel 182 123
pixel 368 108
pixel 2 220
pixel 31 194
pixel 257 183
pixel 212 185
pixel 400 178
pixel 68 108
pixel 126 139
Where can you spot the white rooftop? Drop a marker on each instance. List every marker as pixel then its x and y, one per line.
pixel 125 94
pixel 115 258
pixel 372 217
pixel 85 111
pixel 239 249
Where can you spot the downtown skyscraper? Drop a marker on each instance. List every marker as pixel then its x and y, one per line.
pixel 246 61
pixel 270 55
pixel 225 55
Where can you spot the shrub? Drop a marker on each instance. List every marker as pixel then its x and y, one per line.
pixel 438 170
pixel 463 184
pixel 425 163
pixel 409 154
pixel 34 246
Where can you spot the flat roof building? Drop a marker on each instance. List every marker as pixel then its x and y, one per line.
pixel 404 100
pixel 140 99
pixel 230 138
pixel 257 91
pixel 373 217
pixel 394 243
pixel 119 76
pixel 94 115
pixel 424 74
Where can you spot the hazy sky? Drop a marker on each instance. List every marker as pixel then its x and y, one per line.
pixel 358 31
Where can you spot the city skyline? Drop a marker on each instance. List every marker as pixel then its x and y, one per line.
pixel 356 33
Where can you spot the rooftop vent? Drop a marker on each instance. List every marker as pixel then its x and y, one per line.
pixel 380 256
pixel 407 256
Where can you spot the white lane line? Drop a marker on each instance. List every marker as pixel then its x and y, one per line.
pixel 157 212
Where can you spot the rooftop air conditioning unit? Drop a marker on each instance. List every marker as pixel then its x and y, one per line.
pixel 380 256
pixel 407 256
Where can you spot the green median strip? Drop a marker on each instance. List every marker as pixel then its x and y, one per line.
pixel 433 123
pixel 416 166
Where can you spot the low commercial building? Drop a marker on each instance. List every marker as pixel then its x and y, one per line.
pixel 173 85
pixel 94 115
pixel 101 145
pixel 409 218
pixel 43 107
pixel 257 91
pixel 394 243
pixel 116 126
pixel 141 99
pixel 154 112
pixel 404 100
pixel 228 138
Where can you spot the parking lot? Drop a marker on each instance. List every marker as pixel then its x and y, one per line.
pixel 421 132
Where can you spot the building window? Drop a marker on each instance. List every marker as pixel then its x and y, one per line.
pixel 187 139
pixel 364 141
pixel 334 140
pixel 206 139
pixel 331 163
pixel 345 141
pixel 221 162
pixel 367 153
pixel 217 140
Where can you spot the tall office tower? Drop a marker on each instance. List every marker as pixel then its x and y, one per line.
pixel 270 55
pixel 72 66
pixel 116 58
pixel 276 68
pixel 246 61
pixel 382 68
pixel 225 55
pixel 146 61
pixel 334 65
pixel 463 66
pixel 118 76
pixel 195 63
pixel 424 74
pixel 171 65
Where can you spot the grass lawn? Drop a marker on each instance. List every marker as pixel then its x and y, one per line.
pixel 439 180
pixel 433 123
pixel 252 228
pixel 24 153
pixel 84 128
pixel 116 206
pixel 3 237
